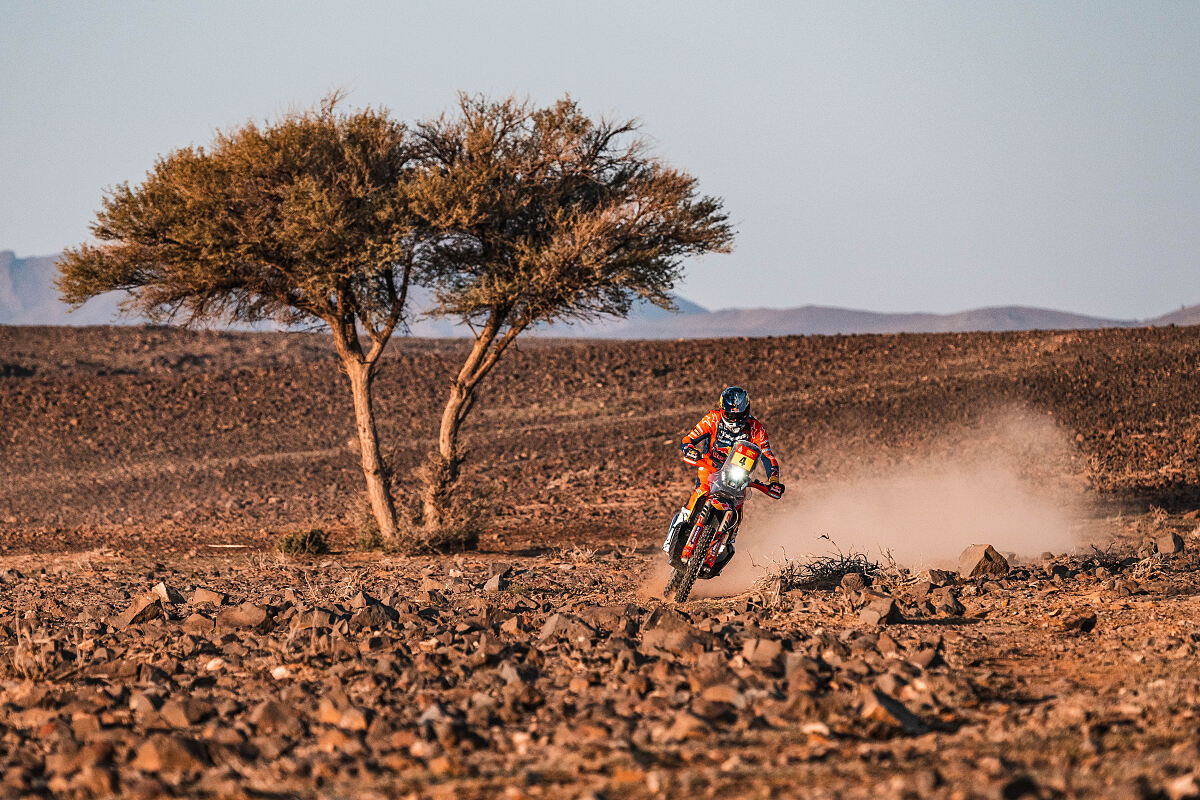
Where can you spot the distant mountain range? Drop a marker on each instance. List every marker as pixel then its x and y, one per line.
pixel 28 297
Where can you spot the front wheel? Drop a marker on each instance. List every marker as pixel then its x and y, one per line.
pixel 672 582
pixel 695 563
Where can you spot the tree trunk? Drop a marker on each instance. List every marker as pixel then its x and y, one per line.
pixel 443 468
pixel 444 464
pixel 378 492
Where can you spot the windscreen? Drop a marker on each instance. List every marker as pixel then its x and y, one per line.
pixel 743 457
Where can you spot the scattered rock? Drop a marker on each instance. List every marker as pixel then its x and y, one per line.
pixel 1184 787
pixel 167 594
pixel 565 625
pixel 724 693
pixel 373 616
pixel 170 754
pixel 94 781
pixel 1080 624
pixel 1020 787
pixel 880 611
pixel 1126 587
pixel 199 624
pixel 762 653
pixel 980 560
pixel 272 717
pixel 353 719
pixel 927 656
pixel 202 597
pixel 945 600
pixel 246 615
pixel 185 712
pixel 143 609
pixel 1169 544
pixel 940 577
pixel 667 630
pixel 685 726
pixel 886 710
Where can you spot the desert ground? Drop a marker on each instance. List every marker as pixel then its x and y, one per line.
pixel 154 643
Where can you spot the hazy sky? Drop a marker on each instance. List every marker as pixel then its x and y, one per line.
pixel 891 156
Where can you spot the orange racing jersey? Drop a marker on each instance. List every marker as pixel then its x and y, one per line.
pixel 714 440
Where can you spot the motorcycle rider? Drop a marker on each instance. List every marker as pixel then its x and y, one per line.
pixel 707 446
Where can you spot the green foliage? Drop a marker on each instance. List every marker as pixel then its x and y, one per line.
pixel 310 542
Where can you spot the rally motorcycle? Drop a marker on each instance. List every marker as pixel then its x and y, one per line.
pixel 699 550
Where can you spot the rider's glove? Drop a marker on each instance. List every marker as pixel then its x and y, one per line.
pixel 691 453
pixel 774 487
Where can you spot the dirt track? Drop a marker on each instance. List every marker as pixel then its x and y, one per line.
pixel 128 452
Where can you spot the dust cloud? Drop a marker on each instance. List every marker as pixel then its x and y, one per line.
pixel 1012 483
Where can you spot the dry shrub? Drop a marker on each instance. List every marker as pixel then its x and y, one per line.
pixel 580 555
pixel 816 572
pixel 27 660
pixel 460 531
pixel 463 520
pixel 310 542
pixel 1113 556
pixel 366 528
pixel 331 584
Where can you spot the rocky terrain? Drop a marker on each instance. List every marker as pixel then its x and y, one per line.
pixel 153 644
pixel 560 675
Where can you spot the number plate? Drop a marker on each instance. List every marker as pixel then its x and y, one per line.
pixel 745 457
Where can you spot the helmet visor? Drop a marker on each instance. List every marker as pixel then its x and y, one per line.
pixel 736 417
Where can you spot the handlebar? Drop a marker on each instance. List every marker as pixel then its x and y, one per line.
pixel 762 487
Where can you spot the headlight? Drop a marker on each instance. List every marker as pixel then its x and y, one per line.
pixel 737 474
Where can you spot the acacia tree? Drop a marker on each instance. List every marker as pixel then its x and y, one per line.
pixel 539 215
pixel 303 221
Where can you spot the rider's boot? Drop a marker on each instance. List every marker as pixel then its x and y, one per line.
pixel 674 528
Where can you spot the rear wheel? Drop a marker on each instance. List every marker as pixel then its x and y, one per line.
pixel 695 562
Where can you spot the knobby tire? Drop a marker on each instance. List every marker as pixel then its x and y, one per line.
pixel 672 582
pixel 696 562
